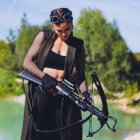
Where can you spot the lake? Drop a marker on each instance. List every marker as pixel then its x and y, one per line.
pixel 11 115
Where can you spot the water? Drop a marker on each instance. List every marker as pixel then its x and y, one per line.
pixel 126 123
pixel 11 115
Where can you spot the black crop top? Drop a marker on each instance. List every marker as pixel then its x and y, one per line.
pixel 54 60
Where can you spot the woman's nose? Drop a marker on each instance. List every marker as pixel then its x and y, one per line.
pixel 63 34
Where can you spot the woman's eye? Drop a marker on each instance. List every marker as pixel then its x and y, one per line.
pixel 59 30
pixel 67 29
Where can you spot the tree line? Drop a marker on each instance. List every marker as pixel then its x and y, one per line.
pixel 106 51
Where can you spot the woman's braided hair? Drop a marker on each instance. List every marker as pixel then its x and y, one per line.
pixel 60 12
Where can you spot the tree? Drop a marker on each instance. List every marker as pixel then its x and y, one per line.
pixel 26 34
pixel 6 57
pixel 107 52
pixel 11 41
pixel 24 39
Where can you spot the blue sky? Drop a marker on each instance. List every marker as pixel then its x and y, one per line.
pixel 125 12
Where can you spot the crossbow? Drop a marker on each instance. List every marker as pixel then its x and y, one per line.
pixel 66 88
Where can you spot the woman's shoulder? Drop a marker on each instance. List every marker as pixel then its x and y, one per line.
pixel 39 36
pixel 79 40
pixel 76 41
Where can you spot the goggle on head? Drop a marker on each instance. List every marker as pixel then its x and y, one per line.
pixel 66 16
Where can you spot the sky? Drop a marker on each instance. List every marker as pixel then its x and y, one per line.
pixel 125 12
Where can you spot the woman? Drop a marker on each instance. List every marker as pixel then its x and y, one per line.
pixel 55 54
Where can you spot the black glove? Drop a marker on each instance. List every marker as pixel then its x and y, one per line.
pixel 49 82
pixel 87 97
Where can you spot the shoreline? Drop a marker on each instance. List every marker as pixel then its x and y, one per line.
pixel 18 99
pixel 121 104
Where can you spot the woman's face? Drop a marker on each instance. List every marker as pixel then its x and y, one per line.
pixel 63 30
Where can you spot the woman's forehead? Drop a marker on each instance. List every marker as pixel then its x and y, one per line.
pixel 63 25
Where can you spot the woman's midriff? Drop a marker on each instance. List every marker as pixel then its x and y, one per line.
pixel 58 74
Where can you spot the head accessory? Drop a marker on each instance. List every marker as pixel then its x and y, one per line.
pixel 60 15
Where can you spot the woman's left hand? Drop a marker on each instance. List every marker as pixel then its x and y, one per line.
pixel 87 97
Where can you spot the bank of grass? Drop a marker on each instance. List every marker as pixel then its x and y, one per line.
pixel 6 96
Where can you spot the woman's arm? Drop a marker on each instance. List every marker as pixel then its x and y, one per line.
pixel 81 74
pixel 80 66
pixel 28 63
pixel 83 86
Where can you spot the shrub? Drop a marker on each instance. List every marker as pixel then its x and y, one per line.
pixel 131 89
pixel 8 84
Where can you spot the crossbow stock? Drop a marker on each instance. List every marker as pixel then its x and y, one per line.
pixel 65 88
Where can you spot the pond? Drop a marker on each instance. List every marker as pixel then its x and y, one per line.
pixel 11 115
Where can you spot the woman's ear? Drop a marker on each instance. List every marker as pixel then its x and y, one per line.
pixel 72 26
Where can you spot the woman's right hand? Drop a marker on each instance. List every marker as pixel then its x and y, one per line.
pixel 49 82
